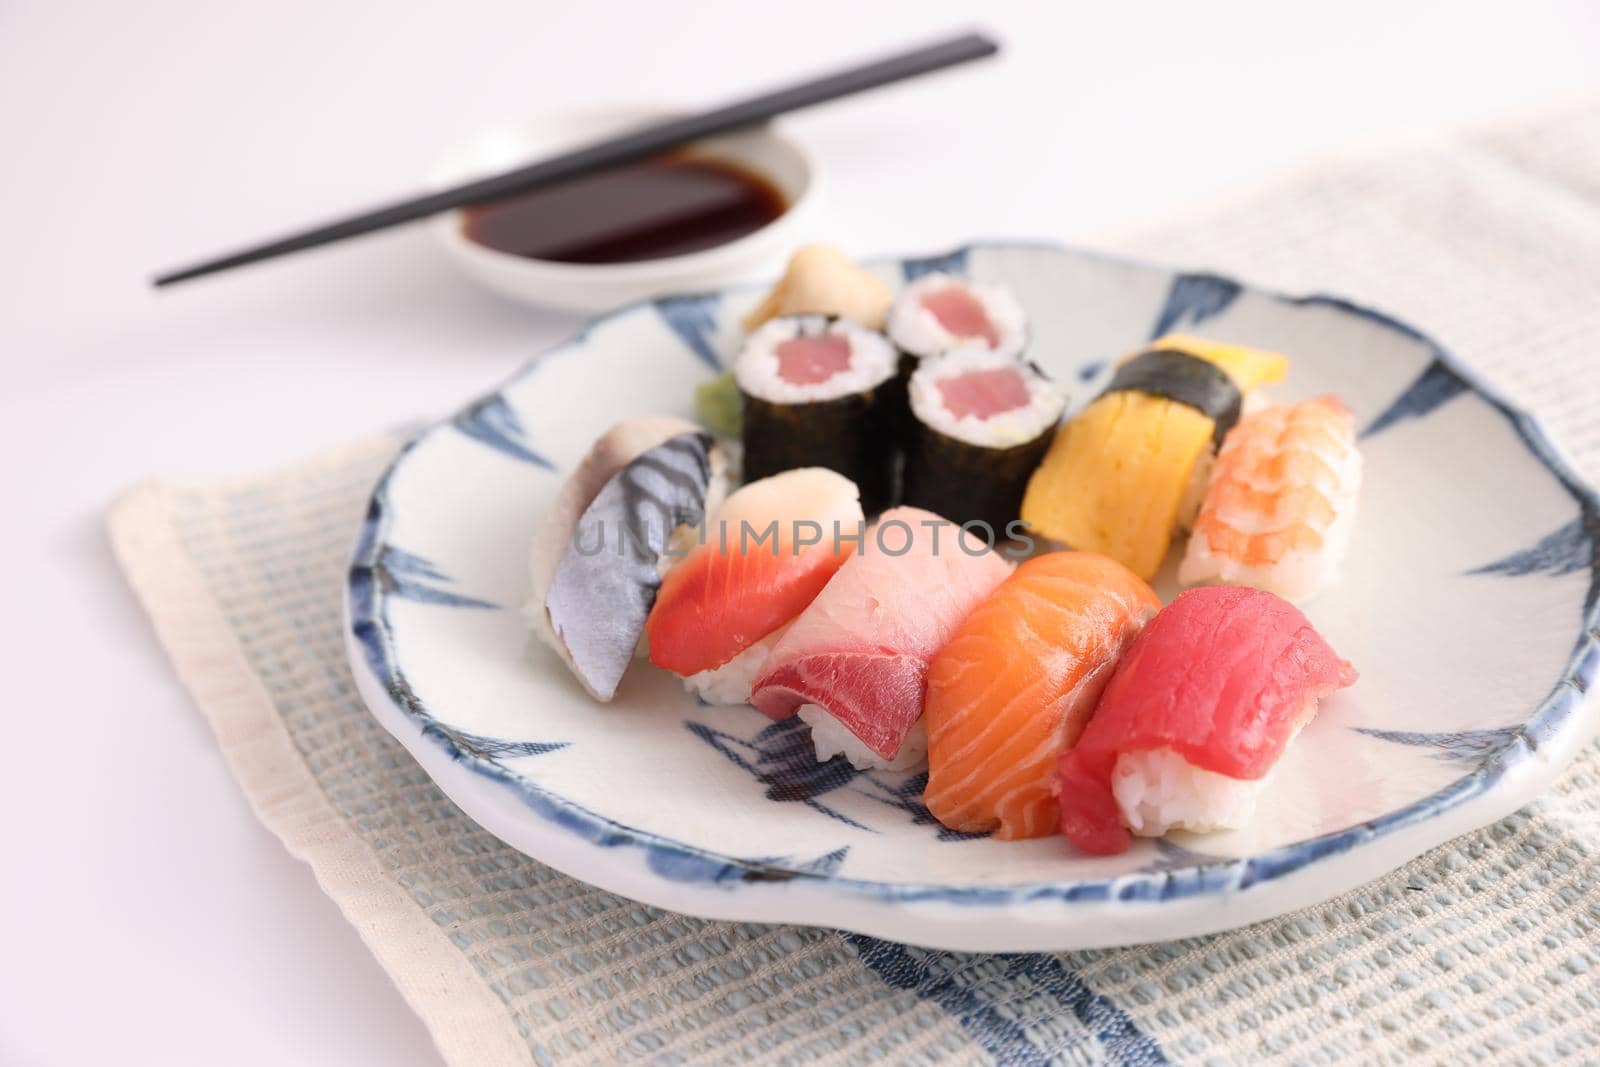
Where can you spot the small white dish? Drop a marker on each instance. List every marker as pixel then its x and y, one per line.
pixel 1470 602
pixel 767 150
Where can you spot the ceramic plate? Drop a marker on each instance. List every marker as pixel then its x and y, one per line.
pixel 1468 603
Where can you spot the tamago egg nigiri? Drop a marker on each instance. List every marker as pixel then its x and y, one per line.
pixel 1122 476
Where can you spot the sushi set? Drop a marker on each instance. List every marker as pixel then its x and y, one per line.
pixel 1015 598
pixel 789 601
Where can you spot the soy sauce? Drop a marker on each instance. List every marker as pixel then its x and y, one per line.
pixel 664 206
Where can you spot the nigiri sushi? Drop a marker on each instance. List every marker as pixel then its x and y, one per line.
pixel 854 663
pixel 1282 499
pixel 821 280
pixel 768 550
pixel 1014 687
pixel 1202 706
pixel 1122 476
pixel 595 575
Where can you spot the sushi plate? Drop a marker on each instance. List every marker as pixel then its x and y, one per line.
pixel 1467 602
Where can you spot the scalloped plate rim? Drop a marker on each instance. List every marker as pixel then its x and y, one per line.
pixel 1252 888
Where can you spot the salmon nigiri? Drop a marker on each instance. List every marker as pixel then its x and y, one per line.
pixel 1199 711
pixel 768 550
pixel 853 665
pixel 1282 498
pixel 1014 687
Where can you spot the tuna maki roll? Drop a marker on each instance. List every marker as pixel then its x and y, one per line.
pixel 938 312
pixel 980 423
pixel 813 391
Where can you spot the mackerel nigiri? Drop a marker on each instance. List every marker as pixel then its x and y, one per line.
pixel 854 663
pixel 1016 684
pixel 1204 703
pixel 764 555
pixel 597 563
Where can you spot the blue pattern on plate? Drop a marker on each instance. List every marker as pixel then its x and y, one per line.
pixel 1192 299
pixel 950 263
pixel 1171 856
pixel 407 576
pixel 1471 747
pixel 781 757
pixel 499 748
pixel 694 319
pixel 904 793
pixel 493 422
pixel 701 868
pixel 1090 371
pixel 371 583
pixel 1010 1004
pixel 1574 547
pixel 1435 386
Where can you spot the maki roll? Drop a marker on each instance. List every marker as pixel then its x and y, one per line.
pixel 980 423
pixel 812 394
pixel 1131 467
pixel 937 312
pixel 1198 713
pixel 1282 499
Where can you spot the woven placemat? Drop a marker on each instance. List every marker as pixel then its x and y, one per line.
pixel 1486 947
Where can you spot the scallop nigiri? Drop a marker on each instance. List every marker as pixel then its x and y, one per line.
pixel 1015 686
pixel 766 552
pixel 1282 498
pixel 854 663
pixel 1200 710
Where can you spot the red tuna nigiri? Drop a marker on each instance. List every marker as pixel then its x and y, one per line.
pixel 768 551
pixel 1207 698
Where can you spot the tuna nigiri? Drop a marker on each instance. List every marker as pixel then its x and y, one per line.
pixel 1282 498
pixel 1202 706
pixel 1016 684
pixel 766 553
pixel 854 663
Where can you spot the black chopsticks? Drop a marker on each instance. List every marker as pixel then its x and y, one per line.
pixel 633 145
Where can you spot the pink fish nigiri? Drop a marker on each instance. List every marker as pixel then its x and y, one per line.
pixel 860 652
pixel 1207 698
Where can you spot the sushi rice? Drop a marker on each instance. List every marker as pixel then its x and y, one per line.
pixel 833 738
pixel 730 683
pixel 1158 790
pixel 1013 427
pixel 916 329
pixel 871 360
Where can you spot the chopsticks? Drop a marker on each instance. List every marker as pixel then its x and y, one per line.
pixel 632 145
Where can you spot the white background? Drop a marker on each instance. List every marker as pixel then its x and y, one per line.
pixel 145 916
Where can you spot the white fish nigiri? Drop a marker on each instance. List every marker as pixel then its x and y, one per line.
pixel 859 655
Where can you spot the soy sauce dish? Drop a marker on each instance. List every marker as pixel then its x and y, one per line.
pixel 715 212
